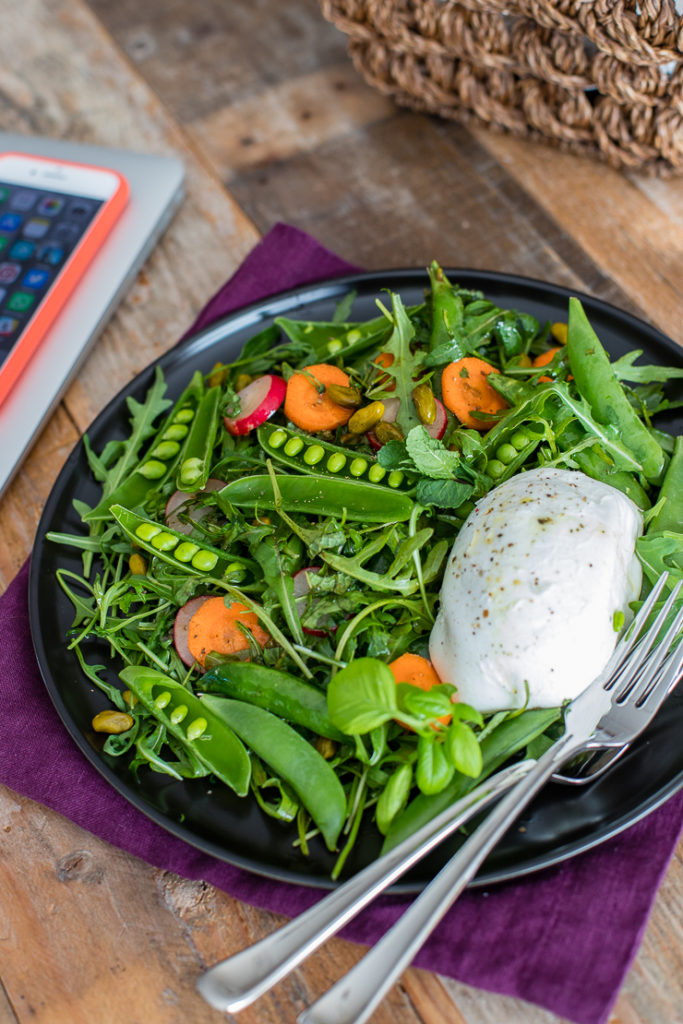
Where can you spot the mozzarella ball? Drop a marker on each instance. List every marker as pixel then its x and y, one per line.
pixel 533 582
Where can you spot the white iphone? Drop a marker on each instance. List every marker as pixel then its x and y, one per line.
pixel 54 216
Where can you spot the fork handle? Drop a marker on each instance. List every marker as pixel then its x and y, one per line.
pixel 358 993
pixel 237 981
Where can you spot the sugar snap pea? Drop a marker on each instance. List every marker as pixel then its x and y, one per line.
pixel 160 458
pixel 670 515
pixel 599 386
pixel 321 495
pixel 291 757
pixel 191 721
pixel 194 463
pixel 285 695
pixel 447 314
pixel 189 555
pixel 318 457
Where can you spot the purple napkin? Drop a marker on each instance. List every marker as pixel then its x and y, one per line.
pixel 541 939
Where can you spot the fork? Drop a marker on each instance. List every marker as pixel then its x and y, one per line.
pixel 234 983
pixel 622 701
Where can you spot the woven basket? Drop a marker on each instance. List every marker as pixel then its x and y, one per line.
pixel 598 77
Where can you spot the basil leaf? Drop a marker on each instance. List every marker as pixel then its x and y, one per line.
pixel 362 696
pixel 434 771
pixel 463 749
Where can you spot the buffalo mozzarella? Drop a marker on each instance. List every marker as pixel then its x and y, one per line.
pixel 532 585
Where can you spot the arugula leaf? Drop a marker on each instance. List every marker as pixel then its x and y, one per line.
pixel 648 374
pixel 406 364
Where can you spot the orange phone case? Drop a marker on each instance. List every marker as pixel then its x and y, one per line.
pixel 73 269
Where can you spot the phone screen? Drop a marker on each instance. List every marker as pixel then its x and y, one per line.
pixel 38 231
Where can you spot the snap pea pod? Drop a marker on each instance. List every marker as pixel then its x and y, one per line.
pixel 291 757
pixel 194 463
pixel 509 738
pixel 599 386
pixel 318 458
pixel 447 315
pixel 338 340
pixel 161 455
pixel 287 696
pixel 670 515
pixel 320 495
pixel 189 555
pixel 205 734
pixel 595 466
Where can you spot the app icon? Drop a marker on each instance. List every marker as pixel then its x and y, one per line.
pixel 23 199
pixel 50 206
pixel 35 278
pixel 22 250
pixel 10 222
pixel 4 239
pixel 9 272
pixel 20 302
pixel 4 192
pixel 36 227
pixel 50 252
pixel 8 324
pixel 80 209
pixel 66 233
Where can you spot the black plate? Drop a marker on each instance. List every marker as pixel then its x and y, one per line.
pixel 559 824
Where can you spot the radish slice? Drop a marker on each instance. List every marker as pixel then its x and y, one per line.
pixel 438 428
pixel 178 499
pixel 258 401
pixel 181 628
pixel 302 589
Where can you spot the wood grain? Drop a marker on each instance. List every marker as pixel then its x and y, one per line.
pixel 274 124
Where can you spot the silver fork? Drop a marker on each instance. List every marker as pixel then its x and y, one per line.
pixel 234 983
pixel 614 709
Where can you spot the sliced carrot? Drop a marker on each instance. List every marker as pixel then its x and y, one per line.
pixel 545 358
pixel 214 627
pixel 311 409
pixel 417 671
pixel 466 391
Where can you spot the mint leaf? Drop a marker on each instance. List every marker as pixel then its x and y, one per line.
pixel 443 493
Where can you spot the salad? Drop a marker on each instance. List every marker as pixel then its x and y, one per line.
pixel 264 564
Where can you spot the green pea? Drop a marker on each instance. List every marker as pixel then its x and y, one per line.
pixel 313 454
pixel 166 450
pixel 294 446
pixel 520 439
pixel 205 561
pixel 178 713
pixel 336 462
pixel 334 345
pixel 353 336
pixel 185 415
pixel 164 541
pixel 495 468
pixel 145 531
pixel 176 432
pixel 376 473
pixel 395 478
pixel 506 453
pixel 162 700
pixel 186 551
pixel 191 471
pixel 152 469
pixel 196 729
pixel 358 467
pixel 277 438
pixel 235 571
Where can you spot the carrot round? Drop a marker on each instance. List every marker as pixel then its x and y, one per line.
pixel 214 627
pixel 385 359
pixel 466 391
pixel 313 410
pixel 417 671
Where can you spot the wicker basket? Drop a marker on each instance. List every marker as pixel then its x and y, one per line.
pixel 599 77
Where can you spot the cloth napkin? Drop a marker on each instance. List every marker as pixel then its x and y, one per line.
pixel 563 938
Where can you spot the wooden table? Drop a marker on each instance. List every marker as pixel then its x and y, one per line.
pixel 262 103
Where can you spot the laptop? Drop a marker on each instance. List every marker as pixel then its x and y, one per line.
pixel 156 191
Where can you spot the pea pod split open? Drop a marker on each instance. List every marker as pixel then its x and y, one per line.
pixel 187 718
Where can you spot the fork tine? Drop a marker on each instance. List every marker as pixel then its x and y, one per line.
pixel 667 673
pixel 629 668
